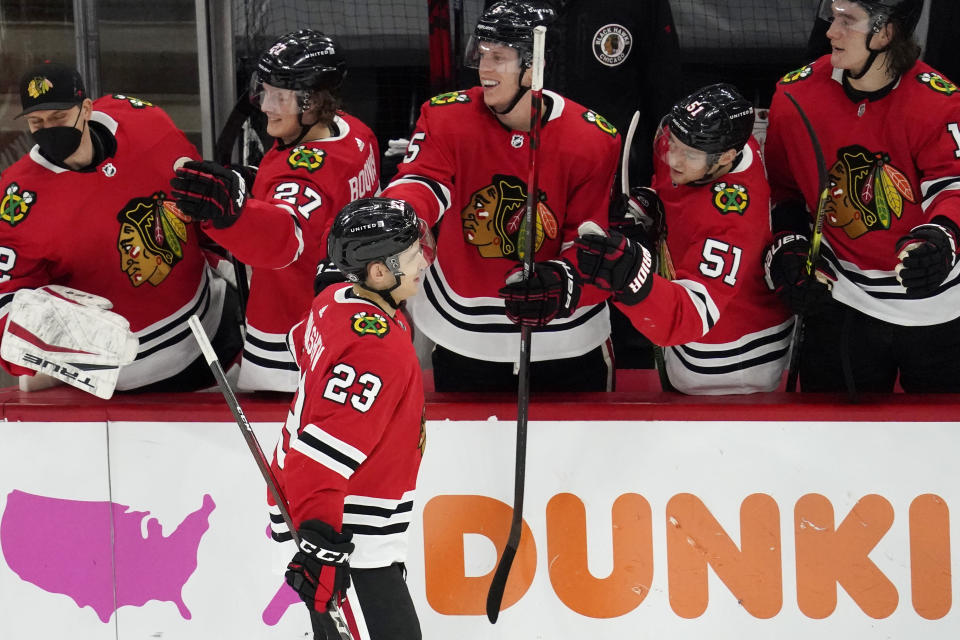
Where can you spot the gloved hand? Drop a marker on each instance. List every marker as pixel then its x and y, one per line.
pixel 639 216
pixel 927 254
pixel 552 291
pixel 208 191
pixel 320 570
pixel 614 263
pixel 327 274
pixel 784 266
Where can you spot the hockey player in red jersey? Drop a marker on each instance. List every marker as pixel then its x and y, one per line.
pixel 888 126
pixel 465 171
pixel 87 209
pixel 725 331
pixel 348 456
pixel 323 158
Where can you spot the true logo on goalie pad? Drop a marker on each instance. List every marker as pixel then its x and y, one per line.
pixel 60 371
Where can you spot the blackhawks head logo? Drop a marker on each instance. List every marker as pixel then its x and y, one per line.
pixel 493 220
pixel 15 204
pixel 151 239
pixel 730 198
pixel 865 191
pixel 366 323
pixel 302 157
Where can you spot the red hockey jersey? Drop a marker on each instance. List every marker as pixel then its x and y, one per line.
pixel 893 164
pixel 352 443
pixel 465 169
pixel 311 181
pixel 112 232
pixel 727 332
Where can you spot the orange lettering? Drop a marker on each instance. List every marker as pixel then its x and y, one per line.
pixel 930 556
pixel 629 582
pixel 827 556
pixel 445 520
pixel 695 539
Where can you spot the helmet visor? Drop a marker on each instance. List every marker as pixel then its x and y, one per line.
pixel 272 99
pixel 491 55
pixel 846 14
pixel 675 154
pixel 408 261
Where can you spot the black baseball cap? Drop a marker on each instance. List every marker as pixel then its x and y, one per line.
pixel 50 85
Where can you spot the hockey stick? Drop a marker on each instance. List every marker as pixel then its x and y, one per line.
pixel 499 583
pixel 440 46
pixel 793 371
pixel 625 158
pixel 251 439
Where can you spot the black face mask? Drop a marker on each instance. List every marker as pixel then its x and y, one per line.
pixel 59 143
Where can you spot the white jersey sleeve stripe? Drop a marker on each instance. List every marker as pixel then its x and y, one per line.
pixel 709 313
pixel 332 453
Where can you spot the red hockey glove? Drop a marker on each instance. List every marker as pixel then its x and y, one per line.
pixel 552 291
pixel 614 263
pixel 320 570
pixel 927 255
pixel 784 266
pixel 208 191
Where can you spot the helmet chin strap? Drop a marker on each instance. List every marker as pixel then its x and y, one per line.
pixel 873 58
pixel 517 97
pixel 710 176
pixel 385 294
pixel 304 130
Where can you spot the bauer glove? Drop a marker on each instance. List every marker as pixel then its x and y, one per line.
pixel 208 191
pixel 784 267
pixel 320 571
pixel 614 263
pixel 927 255
pixel 551 291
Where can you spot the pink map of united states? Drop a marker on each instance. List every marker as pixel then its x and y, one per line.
pixel 64 546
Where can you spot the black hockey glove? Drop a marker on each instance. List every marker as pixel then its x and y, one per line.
pixel 327 274
pixel 614 263
pixel 320 570
pixel 639 216
pixel 208 191
pixel 784 267
pixel 552 291
pixel 927 255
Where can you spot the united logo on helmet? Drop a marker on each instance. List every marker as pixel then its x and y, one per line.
pixel 302 157
pixel 365 323
pixel 15 205
pixel 937 82
pixel 730 198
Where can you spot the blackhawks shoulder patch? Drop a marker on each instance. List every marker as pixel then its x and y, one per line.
pixel 451 97
pixel 136 103
pixel 365 323
pixel 797 75
pixel 730 198
pixel 602 123
pixel 937 82
pixel 16 204
pixel 303 158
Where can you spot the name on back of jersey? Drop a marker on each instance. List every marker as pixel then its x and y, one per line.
pixel 364 183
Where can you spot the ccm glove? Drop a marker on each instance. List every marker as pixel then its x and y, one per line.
pixel 552 291
pixel 784 267
pixel 327 274
pixel 614 263
pixel 208 191
pixel 639 216
pixel 927 255
pixel 320 571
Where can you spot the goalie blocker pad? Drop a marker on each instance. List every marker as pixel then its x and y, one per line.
pixel 69 335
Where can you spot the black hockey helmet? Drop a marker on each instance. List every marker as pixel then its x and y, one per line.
pixel 304 60
pixel 904 13
pixel 712 119
pixel 375 230
pixel 510 22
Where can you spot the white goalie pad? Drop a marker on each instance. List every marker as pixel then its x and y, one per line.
pixel 69 335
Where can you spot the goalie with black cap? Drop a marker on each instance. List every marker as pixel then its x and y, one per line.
pixel 322 159
pixel 348 456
